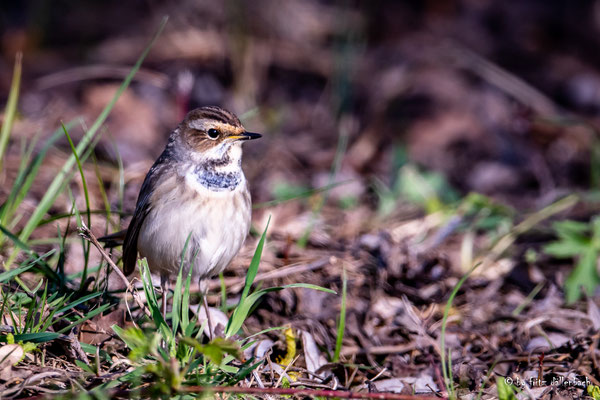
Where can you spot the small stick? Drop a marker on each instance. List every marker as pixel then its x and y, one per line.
pixel 377 350
pixel 342 394
pixel 85 233
pixel 164 285
pixel 210 325
pixel 275 274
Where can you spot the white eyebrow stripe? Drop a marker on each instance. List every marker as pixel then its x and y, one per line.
pixel 202 125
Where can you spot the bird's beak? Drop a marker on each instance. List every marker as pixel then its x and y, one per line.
pixel 246 136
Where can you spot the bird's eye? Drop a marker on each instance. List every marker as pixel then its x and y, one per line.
pixel 213 133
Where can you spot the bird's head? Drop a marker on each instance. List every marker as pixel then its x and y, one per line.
pixel 213 131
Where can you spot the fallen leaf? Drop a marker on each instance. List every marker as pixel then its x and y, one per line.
pixel 314 358
pixel 10 354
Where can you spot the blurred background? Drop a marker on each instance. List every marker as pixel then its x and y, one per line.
pixel 500 98
pixel 373 113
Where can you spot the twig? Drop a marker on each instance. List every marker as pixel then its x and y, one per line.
pixel 496 251
pixel 275 274
pixel 285 371
pixel 342 394
pixel 98 72
pixel 378 375
pixel 504 80
pixel 85 233
pixel 377 350
pixel 307 383
pixel 16 390
pixel 258 380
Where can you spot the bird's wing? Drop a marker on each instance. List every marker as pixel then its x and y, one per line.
pixel 142 209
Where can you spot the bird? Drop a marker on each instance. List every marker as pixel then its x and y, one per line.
pixel 195 192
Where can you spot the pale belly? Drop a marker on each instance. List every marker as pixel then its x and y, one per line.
pixel 216 224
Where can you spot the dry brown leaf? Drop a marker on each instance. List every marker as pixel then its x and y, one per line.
pixel 10 354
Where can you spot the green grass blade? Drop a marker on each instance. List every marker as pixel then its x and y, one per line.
pixel 4 303
pixel 152 302
pixel 176 307
pixel 445 366
pixel 301 285
pixel 15 240
pixel 80 168
pixel 342 321
pixel 39 259
pixel 528 299
pixel 84 367
pixel 275 328
pixel 121 179
pixel 223 292
pixel 120 332
pixel 59 181
pixel 85 243
pixel 39 337
pixel 60 216
pixel 78 302
pixel 234 323
pixel 176 310
pixel 37 161
pixel 8 206
pixel 60 264
pixel 11 106
pixel 103 194
pixel 53 307
pixel 8 275
pixel 79 222
pixel 242 311
pixel 185 302
pixel 86 317
pixel 29 320
pixel 43 304
pixel 18 323
pixel 26 177
pixel 254 264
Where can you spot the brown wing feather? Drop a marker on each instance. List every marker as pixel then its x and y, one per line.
pixel 142 209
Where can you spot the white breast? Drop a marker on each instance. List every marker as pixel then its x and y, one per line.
pixel 218 222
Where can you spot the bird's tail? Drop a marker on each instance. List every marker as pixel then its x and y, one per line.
pixel 114 239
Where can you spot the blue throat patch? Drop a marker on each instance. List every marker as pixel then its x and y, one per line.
pixel 217 181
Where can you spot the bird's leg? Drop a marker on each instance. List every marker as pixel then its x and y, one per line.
pixel 204 292
pixel 210 325
pixel 164 284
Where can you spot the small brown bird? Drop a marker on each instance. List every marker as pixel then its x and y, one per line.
pixel 195 189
